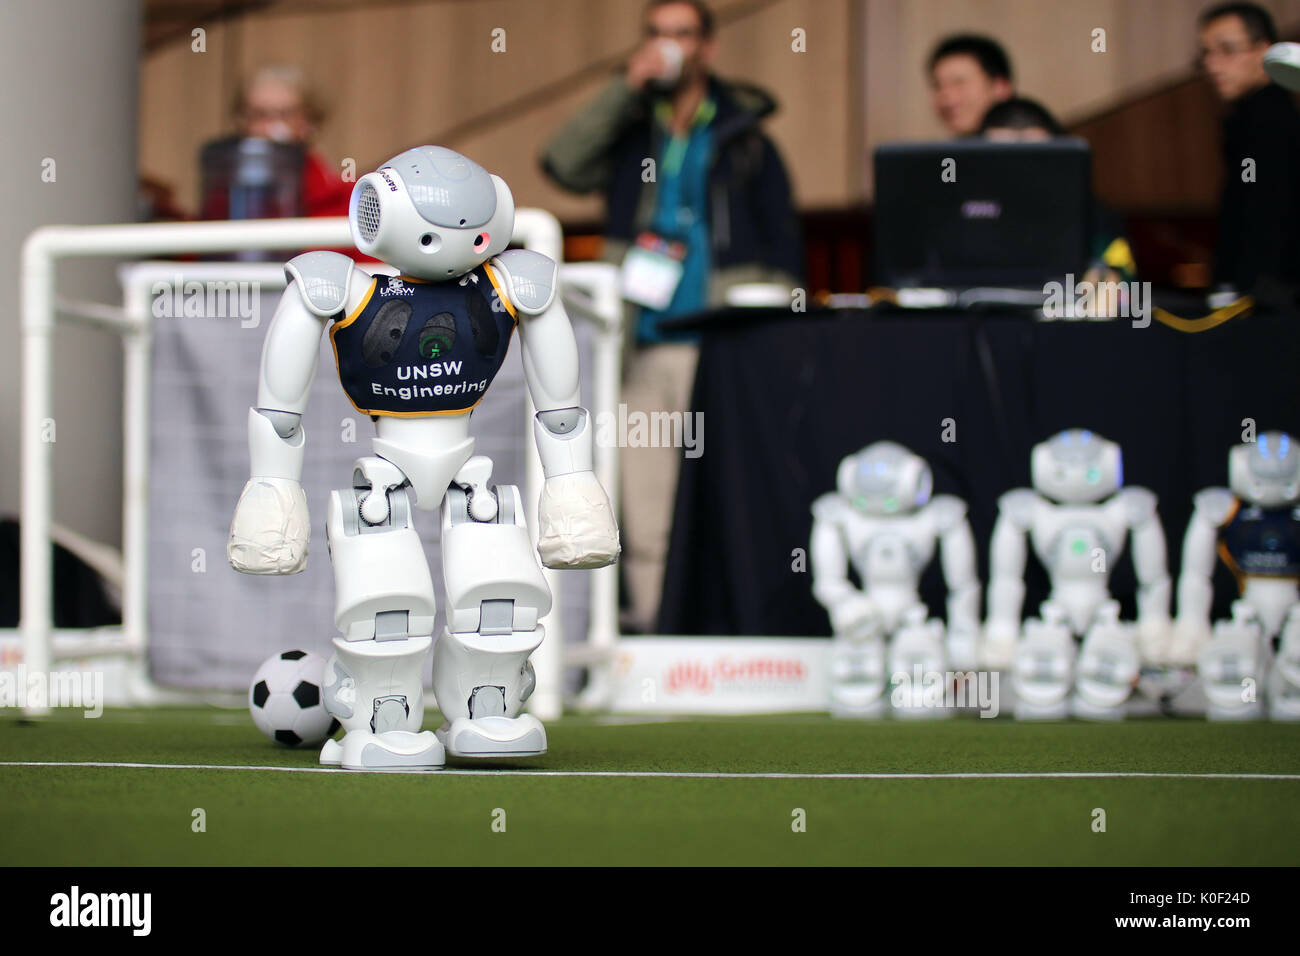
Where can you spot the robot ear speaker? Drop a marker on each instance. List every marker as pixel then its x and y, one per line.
pixel 379 344
pixel 483 324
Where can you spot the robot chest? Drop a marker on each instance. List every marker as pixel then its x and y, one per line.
pixel 1261 542
pixel 1075 546
pixel 889 553
pixel 422 348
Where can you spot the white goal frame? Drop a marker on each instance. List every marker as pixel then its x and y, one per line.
pixel 590 291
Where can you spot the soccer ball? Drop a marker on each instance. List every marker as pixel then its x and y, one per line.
pixel 285 700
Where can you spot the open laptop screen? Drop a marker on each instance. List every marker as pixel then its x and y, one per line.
pixel 973 213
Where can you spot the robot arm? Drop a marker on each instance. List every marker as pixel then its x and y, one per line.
pixel 1195 588
pixel 1150 564
pixel 957 556
pixel 1008 553
pixel 271 528
pixel 847 606
pixel 576 527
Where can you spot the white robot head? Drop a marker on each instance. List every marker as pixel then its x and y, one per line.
pixel 885 479
pixel 432 212
pixel 1076 467
pixel 1266 472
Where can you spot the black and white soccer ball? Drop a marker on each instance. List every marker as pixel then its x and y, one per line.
pixel 286 700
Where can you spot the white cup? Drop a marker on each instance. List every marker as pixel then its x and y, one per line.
pixel 672 57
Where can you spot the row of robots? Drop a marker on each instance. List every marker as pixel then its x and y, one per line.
pixel 1076 657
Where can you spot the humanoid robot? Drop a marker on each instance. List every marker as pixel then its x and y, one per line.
pixel 1077 516
pixel 417 352
pixel 1255 528
pixel 882 520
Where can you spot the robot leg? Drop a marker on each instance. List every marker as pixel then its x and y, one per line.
pixel 495 595
pixel 858 675
pixel 1044 667
pixel 1284 675
pixel 1108 667
pixel 1231 666
pixel 917 667
pixel 384 606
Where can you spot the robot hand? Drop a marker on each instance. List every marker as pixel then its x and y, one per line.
pixel 998 648
pixel 576 528
pixel 1153 639
pixel 270 530
pixel 1185 642
pixel 855 617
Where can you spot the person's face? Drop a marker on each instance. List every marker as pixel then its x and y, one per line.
pixel 1232 61
pixel 963 92
pixel 680 23
pixel 275 111
pixel 1030 134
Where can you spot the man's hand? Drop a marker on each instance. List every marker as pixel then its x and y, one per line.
pixel 646 64
pixel 271 528
pixel 576 528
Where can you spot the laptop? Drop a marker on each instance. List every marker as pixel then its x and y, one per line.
pixel 969 221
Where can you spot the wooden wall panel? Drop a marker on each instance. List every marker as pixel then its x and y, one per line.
pixel 399 74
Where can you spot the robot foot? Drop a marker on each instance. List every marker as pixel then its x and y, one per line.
pixel 1057 710
pixel 1242 712
pixel 851 703
pixel 390 750
pixel 1085 709
pixel 331 755
pixel 522 736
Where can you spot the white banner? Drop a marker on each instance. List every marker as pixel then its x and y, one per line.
pixel 720 675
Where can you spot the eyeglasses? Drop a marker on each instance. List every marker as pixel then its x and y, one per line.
pixel 1223 51
pixel 685 33
pixel 256 114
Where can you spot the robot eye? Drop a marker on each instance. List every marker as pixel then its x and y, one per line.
pixel 481 241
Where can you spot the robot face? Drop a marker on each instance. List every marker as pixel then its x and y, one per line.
pixel 1266 472
pixel 885 479
pixel 432 213
pixel 1076 467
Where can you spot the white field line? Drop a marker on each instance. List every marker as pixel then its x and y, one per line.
pixel 684 775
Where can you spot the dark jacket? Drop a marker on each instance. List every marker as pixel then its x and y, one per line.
pixel 753 229
pixel 1259 222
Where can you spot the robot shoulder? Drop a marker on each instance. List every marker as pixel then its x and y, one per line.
pixel 1215 505
pixel 322 279
pixel 1139 504
pixel 947 511
pixel 529 278
pixel 829 507
pixel 1018 506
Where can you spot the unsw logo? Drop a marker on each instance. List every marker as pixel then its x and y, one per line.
pixel 396 287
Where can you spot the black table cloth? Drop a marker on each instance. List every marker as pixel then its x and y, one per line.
pixel 786 396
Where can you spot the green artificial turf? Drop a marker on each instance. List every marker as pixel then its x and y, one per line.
pixel 118 815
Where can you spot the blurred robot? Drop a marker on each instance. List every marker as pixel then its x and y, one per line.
pixel 1077 517
pixel 1255 528
pixel 882 520
pixel 417 352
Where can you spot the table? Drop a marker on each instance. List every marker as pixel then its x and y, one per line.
pixel 785 396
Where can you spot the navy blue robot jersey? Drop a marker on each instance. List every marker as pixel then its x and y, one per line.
pixel 415 347
pixel 1261 541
